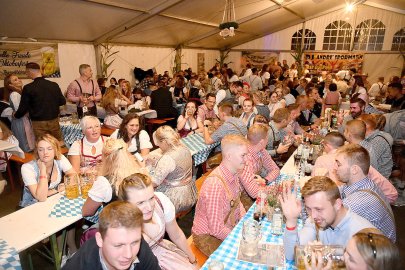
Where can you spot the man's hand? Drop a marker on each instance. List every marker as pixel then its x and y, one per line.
pixel 207 122
pixel 282 148
pixel 317 262
pixel 290 205
pixel 259 180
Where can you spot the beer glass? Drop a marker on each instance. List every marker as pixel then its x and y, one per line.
pixel 71 186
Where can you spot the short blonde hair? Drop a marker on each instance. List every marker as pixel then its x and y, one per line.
pixel 280 115
pixel 168 134
pixel 257 132
pixel 52 141
pixel 321 184
pixel 232 140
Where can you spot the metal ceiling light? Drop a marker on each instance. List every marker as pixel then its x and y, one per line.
pixel 229 23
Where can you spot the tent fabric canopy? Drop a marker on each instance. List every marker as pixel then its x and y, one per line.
pixel 169 23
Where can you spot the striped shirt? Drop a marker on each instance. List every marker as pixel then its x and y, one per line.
pixel 369 206
pixel 213 205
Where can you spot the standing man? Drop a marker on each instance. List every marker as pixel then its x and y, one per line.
pixel 219 208
pixel 229 95
pixel 41 99
pixel 85 92
pixel 118 244
pixel 254 81
pixel 360 193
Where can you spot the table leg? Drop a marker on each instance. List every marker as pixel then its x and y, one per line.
pixel 56 253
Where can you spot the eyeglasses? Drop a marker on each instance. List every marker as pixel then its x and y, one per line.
pixel 372 244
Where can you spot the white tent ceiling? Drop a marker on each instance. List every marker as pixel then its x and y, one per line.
pixel 191 23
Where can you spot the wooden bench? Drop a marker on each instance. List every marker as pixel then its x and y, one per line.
pixel 199 182
pixel 106 131
pixel 153 123
pixel 201 257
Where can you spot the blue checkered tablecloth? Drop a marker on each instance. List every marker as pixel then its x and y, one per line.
pixel 71 133
pixel 197 146
pixel 71 208
pixel 228 250
pixel 9 258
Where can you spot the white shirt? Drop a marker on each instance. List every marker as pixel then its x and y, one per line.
pixel 144 141
pixel 30 176
pixel 101 190
pixel 376 89
pixel 75 150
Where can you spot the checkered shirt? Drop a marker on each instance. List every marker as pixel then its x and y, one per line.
pixel 203 113
pixel 257 161
pixel 231 126
pixel 380 142
pixel 368 206
pixel 213 205
pixel 228 250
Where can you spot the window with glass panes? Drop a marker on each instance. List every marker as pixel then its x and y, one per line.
pixel 369 35
pixel 398 42
pixel 309 40
pixel 337 36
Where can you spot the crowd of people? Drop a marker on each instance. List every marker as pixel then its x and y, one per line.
pixel 258 119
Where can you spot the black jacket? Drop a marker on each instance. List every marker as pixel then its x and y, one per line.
pixel 88 258
pixel 41 99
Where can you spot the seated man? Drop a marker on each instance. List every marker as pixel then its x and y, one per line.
pixel 317 108
pixel 357 106
pixel 259 163
pixel 280 120
pixel 307 117
pixel 323 164
pixel 206 111
pixel 118 244
pixel 219 208
pixel 330 221
pixel 293 127
pixel 231 125
pixel 355 132
pixel 395 94
pixel 359 192
pixel 381 142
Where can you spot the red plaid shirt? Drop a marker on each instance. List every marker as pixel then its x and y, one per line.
pixel 256 161
pixel 213 205
pixel 203 113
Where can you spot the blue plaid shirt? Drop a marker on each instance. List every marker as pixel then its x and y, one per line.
pixel 381 144
pixel 369 206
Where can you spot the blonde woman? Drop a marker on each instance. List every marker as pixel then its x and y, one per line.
pixel 172 172
pixel 159 218
pixel 117 163
pixel 111 102
pixel 43 175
